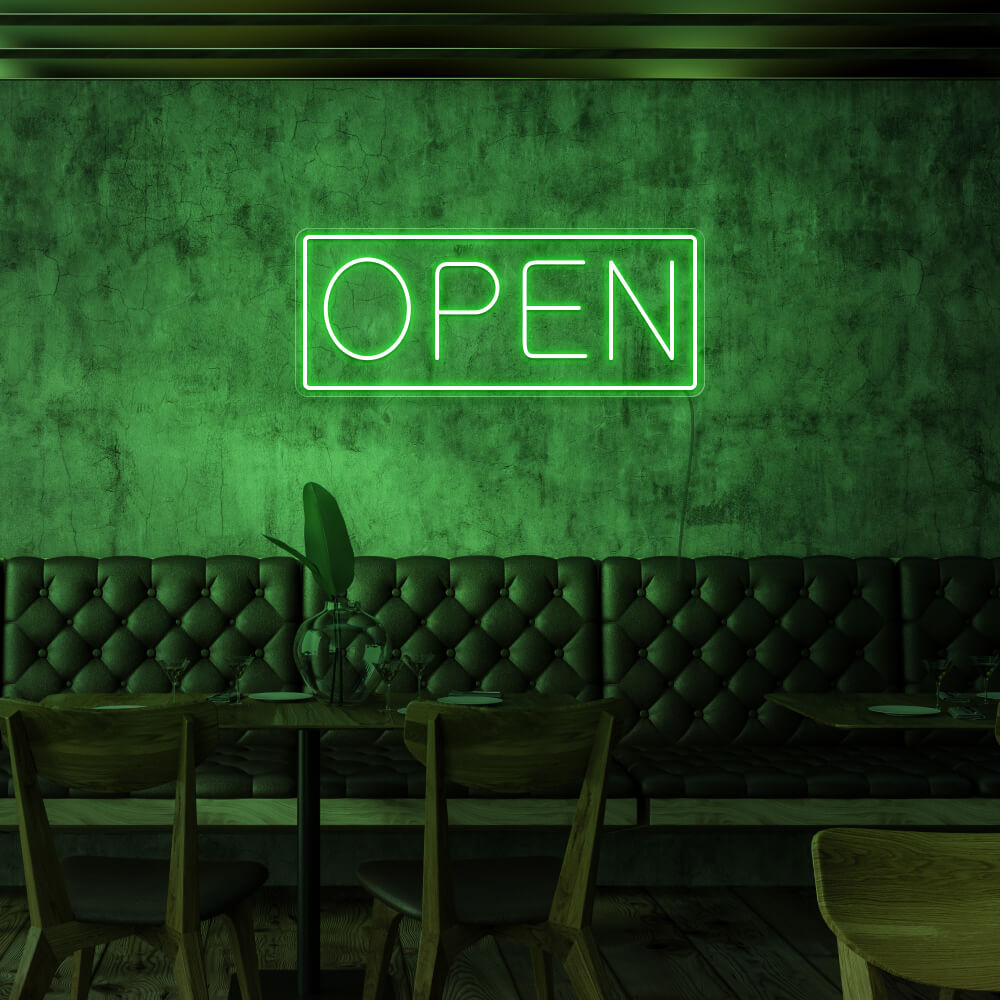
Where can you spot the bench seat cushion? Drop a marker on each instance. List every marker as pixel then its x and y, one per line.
pixel 978 764
pixel 793 772
pixel 390 771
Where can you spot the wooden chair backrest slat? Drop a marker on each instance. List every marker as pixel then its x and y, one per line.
pixel 112 750
pixel 922 905
pixel 508 750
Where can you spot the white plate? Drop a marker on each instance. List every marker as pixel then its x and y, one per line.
pixel 119 706
pixel 469 699
pixel 904 710
pixel 280 696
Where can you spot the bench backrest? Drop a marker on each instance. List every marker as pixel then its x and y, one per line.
pixel 694 645
pixel 691 646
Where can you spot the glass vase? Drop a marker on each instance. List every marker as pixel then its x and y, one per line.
pixel 339 652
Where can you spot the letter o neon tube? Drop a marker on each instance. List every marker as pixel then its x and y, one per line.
pixel 326 308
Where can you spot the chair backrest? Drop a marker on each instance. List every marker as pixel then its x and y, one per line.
pixel 510 750
pixel 112 750
pixel 921 905
pixel 515 750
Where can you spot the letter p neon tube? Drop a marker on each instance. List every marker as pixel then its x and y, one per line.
pixel 439 312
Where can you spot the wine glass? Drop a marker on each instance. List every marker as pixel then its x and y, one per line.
pixel 387 670
pixel 175 670
pixel 239 668
pixel 986 665
pixel 418 663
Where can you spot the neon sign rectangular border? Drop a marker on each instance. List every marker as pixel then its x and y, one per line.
pixel 696 248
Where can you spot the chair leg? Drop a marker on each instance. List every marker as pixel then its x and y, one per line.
pixel 382 927
pixel 432 967
pixel 83 971
pixel 584 966
pixel 240 923
pixel 37 967
pixel 858 979
pixel 189 967
pixel 541 969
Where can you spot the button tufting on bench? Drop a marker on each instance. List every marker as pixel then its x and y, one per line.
pixel 151 592
pixel 97 591
pixel 204 591
pixel 43 592
pixel 259 592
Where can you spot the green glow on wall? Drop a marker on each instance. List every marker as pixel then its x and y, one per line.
pixel 383 313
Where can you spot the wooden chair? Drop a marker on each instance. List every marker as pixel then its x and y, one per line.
pixel 923 906
pixel 86 901
pixel 544 903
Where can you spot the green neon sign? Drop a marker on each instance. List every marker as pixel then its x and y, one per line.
pixel 535 313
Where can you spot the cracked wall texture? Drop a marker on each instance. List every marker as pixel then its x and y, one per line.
pixel 147 302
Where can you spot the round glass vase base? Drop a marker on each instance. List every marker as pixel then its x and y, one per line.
pixel 339 652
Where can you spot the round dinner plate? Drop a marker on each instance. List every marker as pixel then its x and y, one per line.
pixel 280 696
pixel 904 710
pixel 469 699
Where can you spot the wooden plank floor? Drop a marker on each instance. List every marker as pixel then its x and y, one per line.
pixel 660 943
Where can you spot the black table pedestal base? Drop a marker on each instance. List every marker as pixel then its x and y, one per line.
pixel 334 984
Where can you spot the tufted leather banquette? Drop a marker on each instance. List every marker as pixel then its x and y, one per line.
pixel 692 646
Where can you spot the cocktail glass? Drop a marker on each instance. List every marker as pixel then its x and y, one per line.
pixel 387 670
pixel 239 668
pixel 175 670
pixel 985 665
pixel 418 663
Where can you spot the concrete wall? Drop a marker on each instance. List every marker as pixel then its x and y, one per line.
pixel 147 303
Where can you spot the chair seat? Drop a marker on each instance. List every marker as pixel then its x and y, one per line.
pixel 134 890
pixel 488 891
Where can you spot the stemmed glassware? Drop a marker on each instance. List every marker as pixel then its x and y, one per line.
pixel 175 670
pixel 239 668
pixel 387 670
pixel 418 663
pixel 986 665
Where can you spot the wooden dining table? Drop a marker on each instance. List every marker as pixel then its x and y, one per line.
pixel 310 718
pixel 849 710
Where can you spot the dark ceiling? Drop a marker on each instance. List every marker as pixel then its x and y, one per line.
pixel 582 39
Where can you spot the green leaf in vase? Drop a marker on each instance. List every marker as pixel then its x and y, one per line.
pixel 328 544
pixel 307 562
